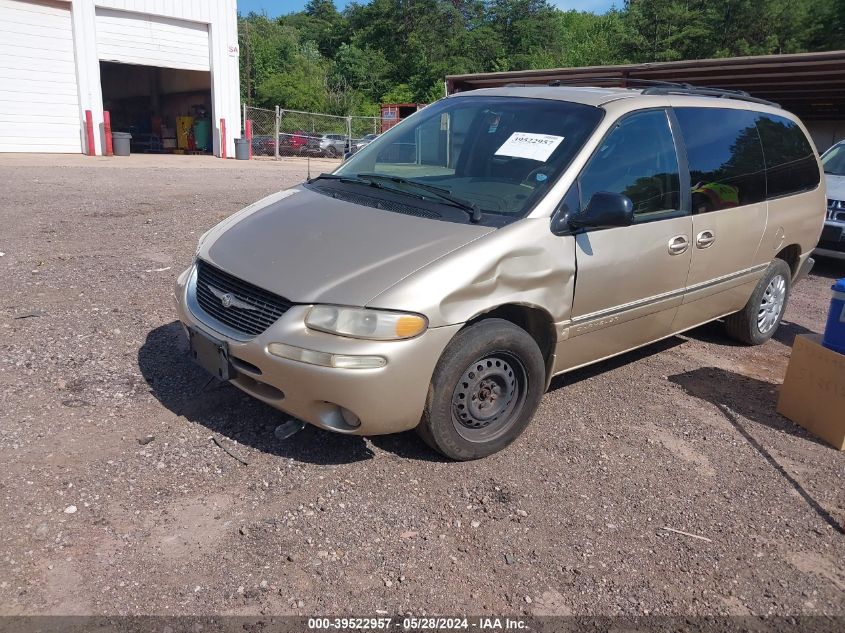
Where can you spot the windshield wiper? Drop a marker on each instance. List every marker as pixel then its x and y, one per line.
pixel 445 194
pixel 341 178
pixel 366 182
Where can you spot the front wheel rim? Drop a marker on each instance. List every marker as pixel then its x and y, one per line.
pixel 772 304
pixel 489 397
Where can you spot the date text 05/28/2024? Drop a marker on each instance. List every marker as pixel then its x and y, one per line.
pixel 411 623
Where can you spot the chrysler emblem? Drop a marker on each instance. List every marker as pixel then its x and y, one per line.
pixel 228 300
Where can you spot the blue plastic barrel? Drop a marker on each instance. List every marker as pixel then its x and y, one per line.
pixel 834 331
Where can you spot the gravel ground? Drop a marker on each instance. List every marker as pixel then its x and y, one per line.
pixel 114 499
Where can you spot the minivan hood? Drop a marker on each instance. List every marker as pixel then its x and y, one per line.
pixel 312 248
pixel 835 186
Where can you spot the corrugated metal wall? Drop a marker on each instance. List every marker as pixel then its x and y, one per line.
pixel 39 104
pixel 198 10
pixel 152 40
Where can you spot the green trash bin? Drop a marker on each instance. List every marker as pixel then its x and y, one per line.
pixel 202 134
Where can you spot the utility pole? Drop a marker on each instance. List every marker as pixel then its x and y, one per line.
pixel 248 42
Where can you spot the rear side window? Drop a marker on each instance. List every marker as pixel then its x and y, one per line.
pixel 637 159
pixel 725 157
pixel 791 166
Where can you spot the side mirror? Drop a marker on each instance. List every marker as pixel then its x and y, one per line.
pixel 346 156
pixel 569 205
pixel 604 210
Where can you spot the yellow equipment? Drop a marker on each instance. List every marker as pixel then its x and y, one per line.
pixel 184 125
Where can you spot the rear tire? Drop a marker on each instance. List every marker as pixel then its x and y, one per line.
pixel 759 319
pixel 484 391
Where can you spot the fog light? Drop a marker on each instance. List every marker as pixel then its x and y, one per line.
pixel 302 355
pixel 325 359
pixel 357 362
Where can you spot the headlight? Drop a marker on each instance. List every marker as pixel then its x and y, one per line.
pixel 379 325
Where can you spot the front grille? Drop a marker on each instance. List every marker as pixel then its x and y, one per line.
pixel 268 307
pixel 836 210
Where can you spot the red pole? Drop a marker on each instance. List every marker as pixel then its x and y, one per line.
pixel 89 132
pixel 107 132
pixel 222 138
pixel 249 136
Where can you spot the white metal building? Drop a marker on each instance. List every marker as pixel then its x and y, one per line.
pixel 147 59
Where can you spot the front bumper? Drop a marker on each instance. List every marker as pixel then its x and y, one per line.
pixel 388 399
pixel 832 241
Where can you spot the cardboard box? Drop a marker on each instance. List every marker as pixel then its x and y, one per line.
pixel 813 392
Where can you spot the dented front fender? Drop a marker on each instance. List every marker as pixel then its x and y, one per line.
pixel 522 264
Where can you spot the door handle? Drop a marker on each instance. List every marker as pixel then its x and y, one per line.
pixel 678 245
pixel 705 239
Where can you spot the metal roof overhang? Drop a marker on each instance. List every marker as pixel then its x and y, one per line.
pixel 812 85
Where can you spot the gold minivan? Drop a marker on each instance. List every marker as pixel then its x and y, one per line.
pixel 446 272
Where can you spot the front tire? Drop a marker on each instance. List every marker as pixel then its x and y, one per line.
pixel 484 391
pixel 759 319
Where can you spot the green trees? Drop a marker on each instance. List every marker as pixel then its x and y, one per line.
pixel 300 84
pixel 378 51
pixel 666 30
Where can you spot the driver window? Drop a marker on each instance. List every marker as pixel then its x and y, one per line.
pixel 637 159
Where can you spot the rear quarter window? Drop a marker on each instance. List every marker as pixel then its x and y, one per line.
pixel 791 166
pixel 725 157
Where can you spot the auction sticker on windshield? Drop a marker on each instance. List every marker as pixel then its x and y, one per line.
pixel 529 145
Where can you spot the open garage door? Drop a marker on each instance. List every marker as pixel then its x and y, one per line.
pixel 165 109
pixel 146 40
pixel 39 105
pixel 155 76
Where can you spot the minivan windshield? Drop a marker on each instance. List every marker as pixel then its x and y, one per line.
pixel 494 155
pixel 834 160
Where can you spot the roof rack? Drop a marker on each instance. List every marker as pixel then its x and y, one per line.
pixel 658 87
pixel 666 88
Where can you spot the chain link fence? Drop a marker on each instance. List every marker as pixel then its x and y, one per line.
pixel 282 133
pixel 264 130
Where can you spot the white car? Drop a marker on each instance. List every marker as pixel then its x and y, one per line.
pixel 366 140
pixel 832 242
pixel 333 145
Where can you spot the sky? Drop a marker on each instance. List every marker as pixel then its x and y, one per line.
pixel 279 7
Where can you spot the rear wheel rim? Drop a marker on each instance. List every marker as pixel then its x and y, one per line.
pixel 489 397
pixel 772 304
